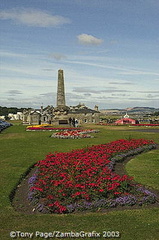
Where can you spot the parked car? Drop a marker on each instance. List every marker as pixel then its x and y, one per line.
pixel 1 128
pixel 4 124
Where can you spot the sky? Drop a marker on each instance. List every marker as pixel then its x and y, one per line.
pixel 108 49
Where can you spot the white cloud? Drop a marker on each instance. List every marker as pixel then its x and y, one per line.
pixel 89 39
pixel 57 56
pixel 14 92
pixel 123 70
pixel 33 17
pixel 137 72
pixel 151 91
pixel 11 54
pixel 89 90
pixel 121 83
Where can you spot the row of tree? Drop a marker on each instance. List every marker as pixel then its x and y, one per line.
pixel 4 111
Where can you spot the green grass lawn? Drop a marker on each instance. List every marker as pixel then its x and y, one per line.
pixel 20 149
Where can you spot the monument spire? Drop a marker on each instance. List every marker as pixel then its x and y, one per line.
pixel 60 89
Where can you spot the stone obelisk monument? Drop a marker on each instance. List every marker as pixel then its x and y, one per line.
pixel 60 90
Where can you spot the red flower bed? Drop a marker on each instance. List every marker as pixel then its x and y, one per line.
pixel 48 128
pixel 142 124
pixel 66 180
pixel 147 124
pixel 66 133
pixel 74 134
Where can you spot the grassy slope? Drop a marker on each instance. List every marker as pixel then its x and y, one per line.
pixel 145 168
pixel 20 149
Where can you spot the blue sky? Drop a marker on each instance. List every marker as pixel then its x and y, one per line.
pixel 108 50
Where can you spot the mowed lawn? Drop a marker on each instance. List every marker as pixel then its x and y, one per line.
pixel 20 149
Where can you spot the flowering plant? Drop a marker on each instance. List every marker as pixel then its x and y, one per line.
pixel 84 179
pixel 74 134
pixel 66 133
pixel 40 125
pixel 141 124
pixel 147 124
pixel 45 128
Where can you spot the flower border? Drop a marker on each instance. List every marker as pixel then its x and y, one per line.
pixel 121 191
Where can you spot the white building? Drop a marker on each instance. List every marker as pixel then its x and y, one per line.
pixel 17 116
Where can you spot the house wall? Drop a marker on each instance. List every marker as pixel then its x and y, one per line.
pixel 86 118
pixel 37 118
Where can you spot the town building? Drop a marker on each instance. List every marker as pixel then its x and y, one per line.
pixel 16 116
pixel 126 120
pixel 61 114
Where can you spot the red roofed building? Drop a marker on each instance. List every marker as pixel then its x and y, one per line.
pixel 126 120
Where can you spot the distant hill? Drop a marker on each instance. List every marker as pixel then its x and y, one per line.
pixel 134 110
